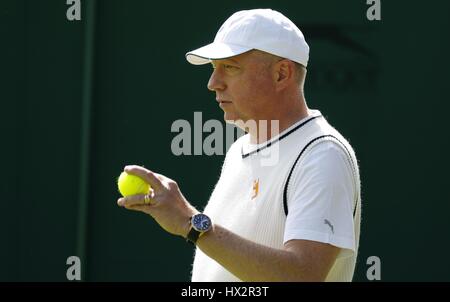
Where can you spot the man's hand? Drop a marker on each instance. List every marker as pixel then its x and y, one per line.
pixel 167 204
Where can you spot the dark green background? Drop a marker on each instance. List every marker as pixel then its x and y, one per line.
pixel 383 84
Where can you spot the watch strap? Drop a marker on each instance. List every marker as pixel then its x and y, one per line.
pixel 193 235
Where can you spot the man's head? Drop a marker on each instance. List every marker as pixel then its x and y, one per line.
pixel 259 58
pixel 255 85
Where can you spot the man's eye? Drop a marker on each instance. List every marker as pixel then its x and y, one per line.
pixel 229 67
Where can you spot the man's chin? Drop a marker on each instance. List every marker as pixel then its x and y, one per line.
pixel 229 118
pixel 233 120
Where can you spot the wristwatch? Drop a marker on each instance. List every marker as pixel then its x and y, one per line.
pixel 200 224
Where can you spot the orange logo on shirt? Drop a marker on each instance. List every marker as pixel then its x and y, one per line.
pixel 255 188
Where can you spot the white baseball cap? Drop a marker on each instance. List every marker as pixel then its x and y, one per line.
pixel 262 29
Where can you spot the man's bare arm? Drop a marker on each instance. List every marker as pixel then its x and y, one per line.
pixel 299 260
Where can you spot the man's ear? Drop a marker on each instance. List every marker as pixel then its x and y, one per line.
pixel 284 73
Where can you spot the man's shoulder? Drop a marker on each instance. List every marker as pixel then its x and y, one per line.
pixel 324 131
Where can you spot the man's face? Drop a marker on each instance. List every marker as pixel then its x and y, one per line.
pixel 244 86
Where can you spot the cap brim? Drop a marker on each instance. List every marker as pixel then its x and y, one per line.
pixel 214 51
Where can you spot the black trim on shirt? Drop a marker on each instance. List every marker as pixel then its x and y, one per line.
pixel 278 139
pixel 285 205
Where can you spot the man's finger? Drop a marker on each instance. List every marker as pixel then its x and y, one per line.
pixel 133 200
pixel 140 208
pixel 147 175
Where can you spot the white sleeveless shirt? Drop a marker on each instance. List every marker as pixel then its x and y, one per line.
pixel 302 184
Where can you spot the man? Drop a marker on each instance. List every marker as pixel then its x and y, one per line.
pixel 295 219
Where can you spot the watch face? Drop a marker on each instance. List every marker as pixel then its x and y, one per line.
pixel 201 222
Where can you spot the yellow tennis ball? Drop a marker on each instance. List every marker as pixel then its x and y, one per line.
pixel 129 184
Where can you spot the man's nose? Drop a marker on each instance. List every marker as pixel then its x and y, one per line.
pixel 215 81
